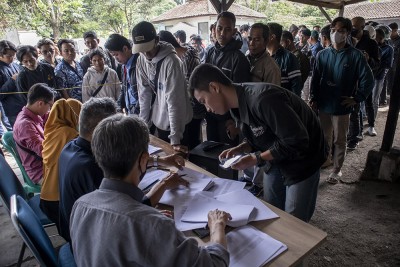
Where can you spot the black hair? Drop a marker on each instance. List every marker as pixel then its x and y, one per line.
pixel 293 28
pixel 205 73
pixel 97 52
pixel 245 27
pixel 326 32
pixel 181 35
pixel 393 26
pixel 40 91
pixel 6 45
pixel 380 32
pixel 228 15
pixel 197 39
pixel 25 49
pixel 44 41
pixel 287 35
pixel 276 29
pixel 89 34
pixel 168 37
pixel 264 28
pixel 116 42
pixel 345 21
pixel 64 41
pixel 118 143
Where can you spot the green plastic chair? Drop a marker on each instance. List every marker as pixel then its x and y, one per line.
pixel 9 143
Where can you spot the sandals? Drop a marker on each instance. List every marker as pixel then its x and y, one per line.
pixel 332 180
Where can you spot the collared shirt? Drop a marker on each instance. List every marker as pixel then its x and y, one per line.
pixel 70 78
pixel 28 133
pixel 111 227
pixel 78 175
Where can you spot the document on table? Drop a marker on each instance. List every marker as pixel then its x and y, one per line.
pixel 154 149
pixel 198 208
pixel 249 246
pixel 229 162
pixel 151 177
pixel 243 196
pixel 222 186
pixel 197 183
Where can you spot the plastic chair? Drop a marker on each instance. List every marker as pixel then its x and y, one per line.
pixel 9 143
pixel 9 186
pixel 35 237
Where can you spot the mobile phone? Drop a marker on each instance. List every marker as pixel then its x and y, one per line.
pixel 202 232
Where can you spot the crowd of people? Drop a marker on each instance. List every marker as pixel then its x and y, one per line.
pixel 293 101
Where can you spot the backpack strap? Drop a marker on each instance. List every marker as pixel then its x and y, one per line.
pixel 29 151
pixel 101 84
pixel 155 81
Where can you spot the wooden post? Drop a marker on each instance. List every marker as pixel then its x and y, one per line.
pixel 341 9
pixel 393 113
pixel 325 14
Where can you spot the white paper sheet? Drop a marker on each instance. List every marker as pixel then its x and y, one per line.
pixel 229 162
pixel 197 183
pixel 154 149
pixel 151 177
pixel 249 246
pixel 198 208
pixel 222 186
pixel 243 196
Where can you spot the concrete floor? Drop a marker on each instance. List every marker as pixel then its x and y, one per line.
pixel 10 241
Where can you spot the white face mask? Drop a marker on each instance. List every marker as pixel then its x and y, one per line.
pixel 338 38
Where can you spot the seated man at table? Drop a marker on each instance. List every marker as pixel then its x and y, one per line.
pixel 112 227
pixel 79 173
pixel 279 127
pixel 29 130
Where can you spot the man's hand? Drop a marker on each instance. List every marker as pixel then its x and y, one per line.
pixel 231 130
pixel 237 150
pixel 181 149
pixel 245 162
pixel 366 55
pixel 173 160
pixel 14 77
pixel 168 213
pixel 218 217
pixel 174 181
pixel 313 105
pixel 348 101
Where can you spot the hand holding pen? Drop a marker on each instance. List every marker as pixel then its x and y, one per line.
pixel 174 180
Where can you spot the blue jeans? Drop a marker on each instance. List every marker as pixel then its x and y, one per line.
pixel 298 199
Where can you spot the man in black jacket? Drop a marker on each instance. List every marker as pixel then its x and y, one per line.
pixel 362 41
pixel 121 49
pixel 280 129
pixel 226 55
pixel 10 99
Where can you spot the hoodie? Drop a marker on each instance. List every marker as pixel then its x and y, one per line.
pixel 93 79
pixel 171 110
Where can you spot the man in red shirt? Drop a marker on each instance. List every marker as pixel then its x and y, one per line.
pixel 29 127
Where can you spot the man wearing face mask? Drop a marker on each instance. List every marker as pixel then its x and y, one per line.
pixel 369 47
pixel 341 79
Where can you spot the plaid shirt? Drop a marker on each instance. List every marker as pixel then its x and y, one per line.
pixel 70 78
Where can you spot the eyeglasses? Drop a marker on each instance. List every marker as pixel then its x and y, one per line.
pixel 49 103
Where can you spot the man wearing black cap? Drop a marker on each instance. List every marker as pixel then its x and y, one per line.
pixel 163 96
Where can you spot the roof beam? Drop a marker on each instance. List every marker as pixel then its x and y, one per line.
pixel 325 14
pixel 221 5
pixel 318 3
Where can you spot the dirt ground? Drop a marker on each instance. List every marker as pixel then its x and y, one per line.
pixel 361 217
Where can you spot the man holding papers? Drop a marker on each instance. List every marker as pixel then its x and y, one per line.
pixel 282 135
pixel 112 227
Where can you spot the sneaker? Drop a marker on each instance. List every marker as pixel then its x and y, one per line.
pixel 371 131
pixel 334 178
pixel 360 137
pixel 352 145
pixel 256 190
pixel 245 180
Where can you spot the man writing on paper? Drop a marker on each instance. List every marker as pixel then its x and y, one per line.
pixel 283 133
pixel 134 234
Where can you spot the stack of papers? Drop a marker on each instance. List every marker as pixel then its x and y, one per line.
pixel 151 177
pixel 249 246
pixel 154 149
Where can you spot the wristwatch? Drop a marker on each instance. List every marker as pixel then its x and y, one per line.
pixel 155 160
pixel 260 161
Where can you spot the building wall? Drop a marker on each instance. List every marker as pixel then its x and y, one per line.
pixel 168 25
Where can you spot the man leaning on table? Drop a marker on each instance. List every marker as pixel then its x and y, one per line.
pixel 112 227
pixel 281 131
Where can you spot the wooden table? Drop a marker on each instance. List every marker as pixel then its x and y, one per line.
pixel 301 238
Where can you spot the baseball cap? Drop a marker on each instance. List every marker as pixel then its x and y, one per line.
pixel 143 36
pixel 306 32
